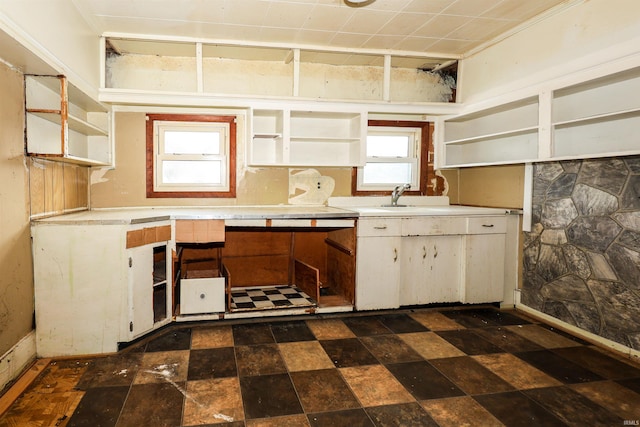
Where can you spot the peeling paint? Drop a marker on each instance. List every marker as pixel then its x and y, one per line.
pixel 316 189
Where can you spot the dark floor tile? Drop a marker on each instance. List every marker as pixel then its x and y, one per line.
pixel 424 381
pixel 251 334
pixel 347 418
pixel 366 326
pixel 506 339
pixel 348 352
pixel 515 409
pixel 404 414
pixel 471 318
pixel 263 359
pixel 598 362
pixel 323 390
pixel 269 396
pixel 212 363
pixel 402 323
pixel 177 339
pixel 99 406
pixel 631 384
pixel 158 405
pixel 390 349
pixel 469 342
pixel 572 407
pixel 470 376
pixel 292 331
pixel 558 367
pixel 502 317
pixel 564 334
pixel 115 370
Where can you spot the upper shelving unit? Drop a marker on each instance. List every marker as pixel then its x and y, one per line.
pixel 596 116
pixel 502 134
pixel 307 138
pixel 64 124
pixel 135 66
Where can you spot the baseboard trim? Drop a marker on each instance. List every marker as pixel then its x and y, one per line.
pixel 597 340
pixel 17 359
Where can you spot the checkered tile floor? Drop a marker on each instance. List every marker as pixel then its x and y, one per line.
pixel 270 297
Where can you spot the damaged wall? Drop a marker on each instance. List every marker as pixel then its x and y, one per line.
pixel 125 185
pixel 582 258
pixel 273 78
pixel 16 280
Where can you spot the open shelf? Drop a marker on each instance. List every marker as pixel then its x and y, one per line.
pixel 64 124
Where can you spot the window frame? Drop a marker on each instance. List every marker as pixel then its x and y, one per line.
pixel 189 193
pixel 426 169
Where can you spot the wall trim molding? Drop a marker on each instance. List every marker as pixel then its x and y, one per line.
pixel 17 359
pixel 630 353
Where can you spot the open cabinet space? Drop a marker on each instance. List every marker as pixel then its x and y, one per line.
pixel 264 268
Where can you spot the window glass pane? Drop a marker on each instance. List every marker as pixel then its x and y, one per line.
pixel 388 145
pixel 191 172
pixel 191 142
pixel 387 173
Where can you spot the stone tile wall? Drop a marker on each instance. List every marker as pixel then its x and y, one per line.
pixel 582 257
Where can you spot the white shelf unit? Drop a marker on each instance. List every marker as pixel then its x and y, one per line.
pixel 597 117
pixel 502 134
pixel 308 138
pixel 64 124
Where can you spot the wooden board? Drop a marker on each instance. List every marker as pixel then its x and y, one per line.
pixel 200 230
pixel 307 278
pixel 259 270
pixel 341 271
pixel 145 236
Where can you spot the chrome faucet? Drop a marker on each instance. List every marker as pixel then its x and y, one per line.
pixel 397 192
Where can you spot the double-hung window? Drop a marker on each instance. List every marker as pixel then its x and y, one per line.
pixel 191 156
pixel 395 154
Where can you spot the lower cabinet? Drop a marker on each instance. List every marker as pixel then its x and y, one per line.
pixel 427 260
pixel 97 285
pixel 431 269
pixel 378 264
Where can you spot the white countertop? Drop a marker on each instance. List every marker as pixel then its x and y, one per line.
pixel 339 207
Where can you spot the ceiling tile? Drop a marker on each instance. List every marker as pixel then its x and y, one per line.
pixel 366 21
pixel 441 25
pixel 404 23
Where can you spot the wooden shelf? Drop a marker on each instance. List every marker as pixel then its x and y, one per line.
pixel 64 124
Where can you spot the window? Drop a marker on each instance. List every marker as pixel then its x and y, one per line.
pixel 397 153
pixel 190 155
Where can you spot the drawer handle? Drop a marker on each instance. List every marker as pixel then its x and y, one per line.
pixel 395 254
pixel 380 227
pixel 487 225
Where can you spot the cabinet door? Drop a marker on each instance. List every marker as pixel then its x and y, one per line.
pixel 431 269
pixel 484 270
pixel 378 273
pixel 140 290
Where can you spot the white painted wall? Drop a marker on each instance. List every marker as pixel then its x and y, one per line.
pixel 586 34
pixel 55 31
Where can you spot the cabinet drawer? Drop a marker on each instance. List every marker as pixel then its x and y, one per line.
pixel 379 227
pixel 205 295
pixel 487 225
pixel 434 226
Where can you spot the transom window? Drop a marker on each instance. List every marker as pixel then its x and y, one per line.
pixel 397 153
pixel 190 156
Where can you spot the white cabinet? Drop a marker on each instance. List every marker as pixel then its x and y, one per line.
pixel 148 297
pixel 378 263
pixel 64 124
pixel 430 259
pixel 431 269
pixel 307 138
pixel 95 285
pixel 484 268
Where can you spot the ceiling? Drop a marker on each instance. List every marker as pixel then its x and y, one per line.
pixel 442 28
